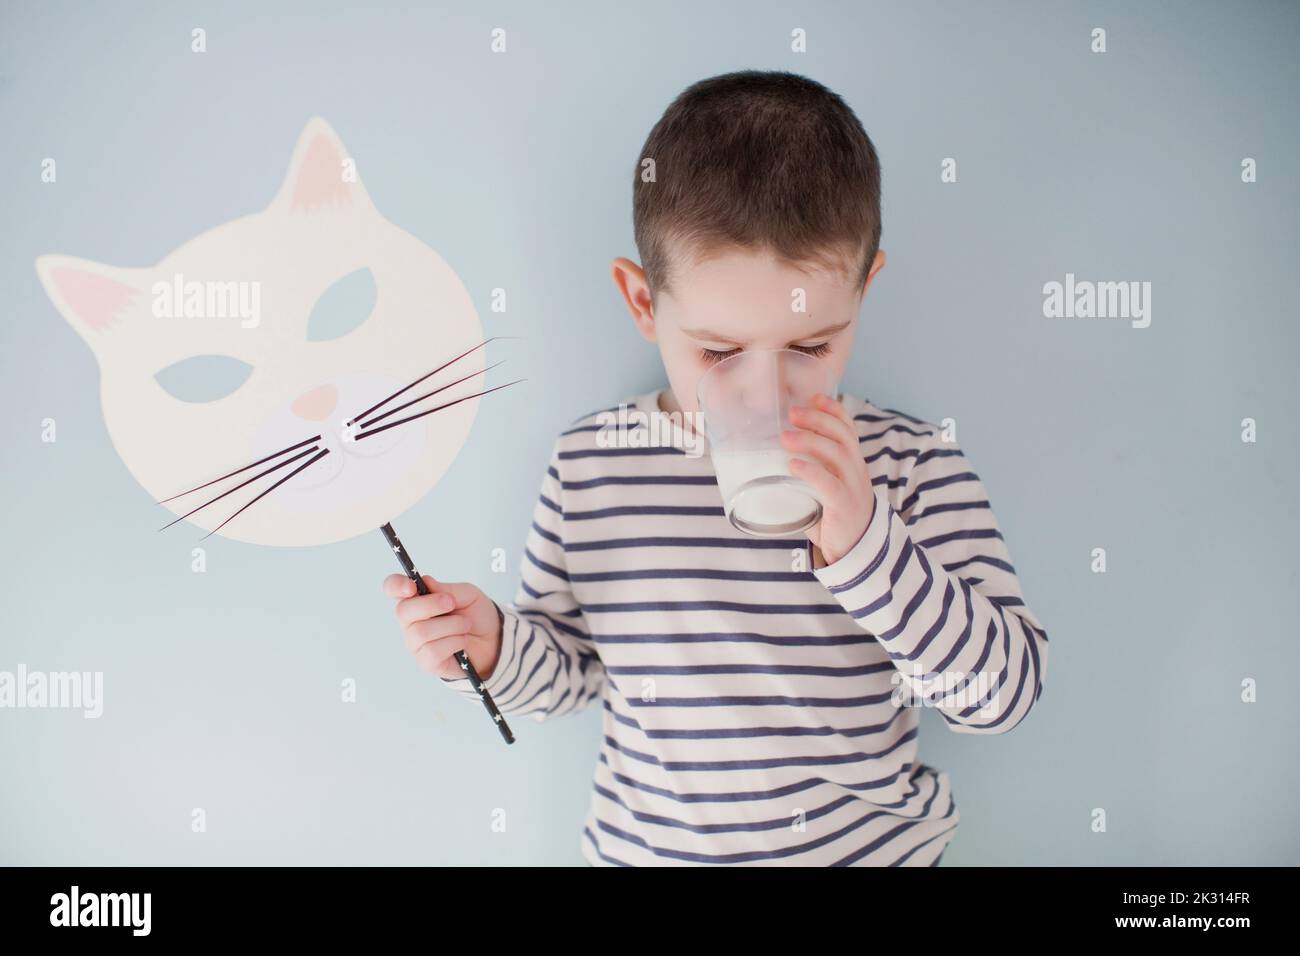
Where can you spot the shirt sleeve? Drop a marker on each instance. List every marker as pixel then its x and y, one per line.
pixel 548 665
pixel 934 583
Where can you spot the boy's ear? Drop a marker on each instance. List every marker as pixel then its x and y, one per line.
pixel 876 265
pixel 632 285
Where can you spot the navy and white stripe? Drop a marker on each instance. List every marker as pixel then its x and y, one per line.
pixel 751 711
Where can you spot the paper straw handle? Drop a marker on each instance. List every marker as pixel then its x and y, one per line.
pixel 462 659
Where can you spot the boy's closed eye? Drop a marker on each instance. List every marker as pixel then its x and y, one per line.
pixel 717 355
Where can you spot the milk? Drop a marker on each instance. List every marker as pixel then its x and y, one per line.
pixel 779 506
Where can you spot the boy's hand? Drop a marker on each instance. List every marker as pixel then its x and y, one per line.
pixel 450 618
pixel 827 436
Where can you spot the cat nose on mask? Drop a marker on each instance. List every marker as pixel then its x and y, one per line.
pixel 317 404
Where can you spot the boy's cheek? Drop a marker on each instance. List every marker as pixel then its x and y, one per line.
pixel 684 373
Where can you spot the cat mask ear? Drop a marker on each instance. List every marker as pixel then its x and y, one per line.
pixel 96 299
pixel 321 173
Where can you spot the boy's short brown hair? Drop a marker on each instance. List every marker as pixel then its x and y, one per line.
pixel 762 160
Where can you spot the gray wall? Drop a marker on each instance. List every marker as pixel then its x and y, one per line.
pixel 222 689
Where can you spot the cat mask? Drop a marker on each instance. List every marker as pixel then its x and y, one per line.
pixel 284 325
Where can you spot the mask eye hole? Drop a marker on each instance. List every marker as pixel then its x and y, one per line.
pixel 203 378
pixel 343 307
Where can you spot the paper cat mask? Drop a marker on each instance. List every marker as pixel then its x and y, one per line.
pixel 314 310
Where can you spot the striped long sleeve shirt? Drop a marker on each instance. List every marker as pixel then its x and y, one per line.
pixel 758 710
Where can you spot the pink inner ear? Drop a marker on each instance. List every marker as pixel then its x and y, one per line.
pixel 320 177
pixel 93 298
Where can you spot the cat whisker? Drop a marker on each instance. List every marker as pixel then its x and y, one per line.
pixel 241 484
pixel 411 418
pixel 400 391
pixel 245 468
pixel 306 464
pixel 394 411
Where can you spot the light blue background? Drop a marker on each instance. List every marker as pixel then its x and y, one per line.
pixel 222 689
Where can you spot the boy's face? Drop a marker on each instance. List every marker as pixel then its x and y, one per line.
pixel 743 300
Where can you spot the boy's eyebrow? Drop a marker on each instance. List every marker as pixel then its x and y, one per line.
pixel 706 335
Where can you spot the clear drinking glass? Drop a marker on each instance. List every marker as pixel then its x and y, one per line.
pixel 746 401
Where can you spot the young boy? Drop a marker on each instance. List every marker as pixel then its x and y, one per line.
pixel 761 696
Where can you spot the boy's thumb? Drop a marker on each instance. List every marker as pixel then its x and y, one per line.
pixel 462 592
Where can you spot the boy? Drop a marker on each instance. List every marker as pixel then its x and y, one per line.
pixel 761 696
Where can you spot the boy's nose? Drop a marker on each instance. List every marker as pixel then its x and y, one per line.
pixel 316 404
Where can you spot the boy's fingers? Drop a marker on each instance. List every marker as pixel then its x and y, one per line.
pixel 435 629
pixel 398 586
pixel 462 592
pixel 838 410
pixel 435 657
pixel 825 423
pixel 422 607
pixel 829 488
pixel 828 452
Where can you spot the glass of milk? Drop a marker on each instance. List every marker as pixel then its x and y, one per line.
pixel 746 401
